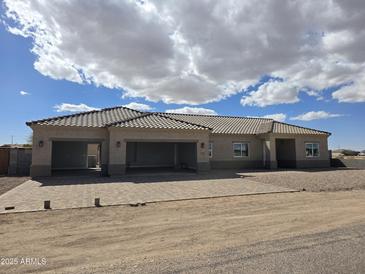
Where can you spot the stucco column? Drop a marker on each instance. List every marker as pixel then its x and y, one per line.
pixel 272 149
pixel 117 153
pixel 104 157
pixel 41 155
pixel 266 153
pixel 203 163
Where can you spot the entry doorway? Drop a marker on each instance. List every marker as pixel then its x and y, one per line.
pixel 285 153
pixel 93 156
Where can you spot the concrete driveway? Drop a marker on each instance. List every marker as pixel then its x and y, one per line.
pixel 76 192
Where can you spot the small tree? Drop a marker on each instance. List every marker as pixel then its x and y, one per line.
pixel 30 139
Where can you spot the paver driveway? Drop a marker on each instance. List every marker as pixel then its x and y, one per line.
pixel 75 192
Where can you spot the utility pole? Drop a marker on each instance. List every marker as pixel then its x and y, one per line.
pixel 12 139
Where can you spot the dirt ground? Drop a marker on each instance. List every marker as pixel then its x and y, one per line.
pixel 312 179
pixel 139 239
pixel 7 183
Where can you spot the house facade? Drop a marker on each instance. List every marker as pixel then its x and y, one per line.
pixel 131 140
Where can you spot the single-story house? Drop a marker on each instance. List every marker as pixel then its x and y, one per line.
pixel 128 139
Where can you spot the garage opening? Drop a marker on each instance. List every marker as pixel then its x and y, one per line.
pixel 160 157
pixel 285 153
pixel 75 158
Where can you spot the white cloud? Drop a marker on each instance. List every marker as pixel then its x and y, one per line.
pixel 138 106
pixel 272 93
pixel 64 107
pixel 193 52
pixel 23 93
pixel 281 117
pixel 338 39
pixel 315 115
pixel 354 93
pixel 193 110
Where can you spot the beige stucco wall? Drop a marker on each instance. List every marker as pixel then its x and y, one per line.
pixel 323 147
pixel 223 147
pixel 92 149
pixel 321 161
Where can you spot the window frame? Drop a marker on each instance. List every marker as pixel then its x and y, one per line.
pixel 241 150
pixel 210 149
pixel 312 149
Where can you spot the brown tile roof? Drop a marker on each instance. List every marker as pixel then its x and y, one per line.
pixel 128 118
pixel 283 128
pixel 155 120
pixel 224 124
pixel 244 125
pixel 94 118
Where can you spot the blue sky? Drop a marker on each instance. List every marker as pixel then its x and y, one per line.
pixel 18 73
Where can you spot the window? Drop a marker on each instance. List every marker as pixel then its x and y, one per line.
pixel 210 150
pixel 312 150
pixel 240 149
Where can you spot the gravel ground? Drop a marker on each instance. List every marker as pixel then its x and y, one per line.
pixel 312 180
pixel 276 233
pixel 7 183
pixel 336 251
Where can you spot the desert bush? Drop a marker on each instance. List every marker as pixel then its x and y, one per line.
pixel 347 152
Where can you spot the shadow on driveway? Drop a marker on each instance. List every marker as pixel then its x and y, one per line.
pixel 140 178
pixel 169 176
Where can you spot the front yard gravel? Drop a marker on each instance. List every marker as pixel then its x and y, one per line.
pixel 312 179
pixel 7 183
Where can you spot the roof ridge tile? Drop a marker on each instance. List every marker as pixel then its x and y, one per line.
pixel 221 116
pixel 144 114
pixel 186 122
